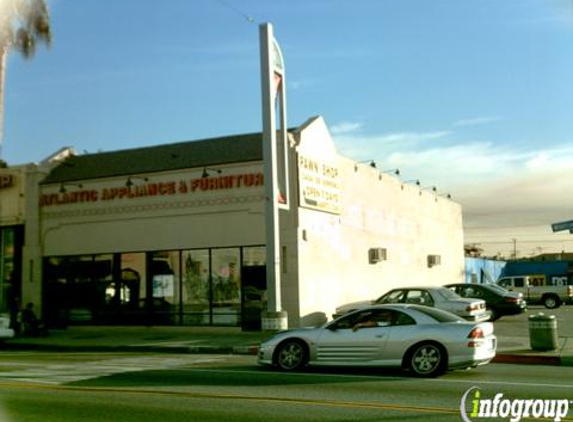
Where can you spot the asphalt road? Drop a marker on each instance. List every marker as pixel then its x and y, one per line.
pixel 154 387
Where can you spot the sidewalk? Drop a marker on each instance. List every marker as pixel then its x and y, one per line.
pixel 231 340
pixel 224 340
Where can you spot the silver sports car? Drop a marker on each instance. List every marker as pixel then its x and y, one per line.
pixel 423 340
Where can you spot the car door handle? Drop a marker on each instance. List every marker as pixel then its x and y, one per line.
pixel 380 335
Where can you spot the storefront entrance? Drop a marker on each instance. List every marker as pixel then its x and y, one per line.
pixel 11 242
pixel 254 292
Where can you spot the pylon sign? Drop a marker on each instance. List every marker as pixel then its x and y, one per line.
pixel 274 111
pixel 275 157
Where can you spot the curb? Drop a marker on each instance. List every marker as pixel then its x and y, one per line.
pixel 222 350
pixel 529 359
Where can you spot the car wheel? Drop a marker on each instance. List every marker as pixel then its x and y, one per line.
pixel 551 302
pixel 291 355
pixel 426 360
pixel 493 315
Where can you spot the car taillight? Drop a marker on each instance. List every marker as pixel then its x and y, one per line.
pixel 475 336
pixel 569 290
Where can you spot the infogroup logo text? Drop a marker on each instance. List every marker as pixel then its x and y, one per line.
pixel 473 406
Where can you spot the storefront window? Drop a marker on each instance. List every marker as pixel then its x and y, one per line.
pixel 131 288
pixel 196 292
pixel 226 286
pixel 56 300
pixel 7 252
pixel 166 286
pixel 254 287
pixel 102 274
pixel 82 288
pixel 223 286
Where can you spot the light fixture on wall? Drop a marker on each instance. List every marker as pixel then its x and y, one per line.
pixel 413 181
pixel 432 188
pixel 392 171
pixel 63 186
pixel 372 164
pixel 206 171
pixel 445 195
pixel 129 181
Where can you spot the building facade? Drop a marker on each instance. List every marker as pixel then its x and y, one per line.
pixel 12 210
pixel 175 234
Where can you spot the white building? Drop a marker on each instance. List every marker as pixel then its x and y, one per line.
pixel 175 234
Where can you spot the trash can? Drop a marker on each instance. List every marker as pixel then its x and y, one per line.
pixel 543 332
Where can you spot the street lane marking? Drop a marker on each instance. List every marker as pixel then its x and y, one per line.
pixel 242 397
pixel 473 381
pixel 262 399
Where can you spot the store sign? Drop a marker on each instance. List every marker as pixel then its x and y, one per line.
pixel 7 180
pixel 153 189
pixel 319 185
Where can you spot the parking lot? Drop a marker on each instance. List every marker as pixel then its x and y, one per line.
pixel 518 325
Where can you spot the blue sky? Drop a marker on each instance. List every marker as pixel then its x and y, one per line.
pixel 472 96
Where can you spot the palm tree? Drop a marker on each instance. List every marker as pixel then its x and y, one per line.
pixel 23 24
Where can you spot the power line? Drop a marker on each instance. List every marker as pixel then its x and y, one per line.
pixel 479 242
pixel 238 11
pixel 520 235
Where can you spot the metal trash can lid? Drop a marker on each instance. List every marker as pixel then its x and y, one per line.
pixel 541 317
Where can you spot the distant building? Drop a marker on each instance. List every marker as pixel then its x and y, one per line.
pixel 558 256
pixel 18 194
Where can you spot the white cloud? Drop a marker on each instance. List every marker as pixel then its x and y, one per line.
pixel 498 185
pixel 345 127
pixel 366 146
pixel 411 137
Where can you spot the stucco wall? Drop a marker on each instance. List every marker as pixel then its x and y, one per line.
pixel 177 218
pixel 376 211
pixel 12 189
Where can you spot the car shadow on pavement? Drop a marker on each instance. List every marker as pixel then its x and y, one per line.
pixel 241 376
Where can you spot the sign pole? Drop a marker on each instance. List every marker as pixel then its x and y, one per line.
pixel 275 318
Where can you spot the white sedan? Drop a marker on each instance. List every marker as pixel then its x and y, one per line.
pixel 437 297
pixel 423 340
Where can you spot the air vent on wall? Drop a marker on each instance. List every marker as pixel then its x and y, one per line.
pixel 434 260
pixel 376 255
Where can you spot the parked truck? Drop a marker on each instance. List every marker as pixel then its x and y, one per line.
pixel 536 291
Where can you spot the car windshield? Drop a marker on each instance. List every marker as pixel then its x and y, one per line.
pixel 447 294
pixel 437 314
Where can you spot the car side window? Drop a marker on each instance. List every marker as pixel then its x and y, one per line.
pixel 403 319
pixel 382 317
pixel 419 297
pixel 519 282
pixel 396 296
pixel 469 291
pixel 351 320
pixel 372 318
